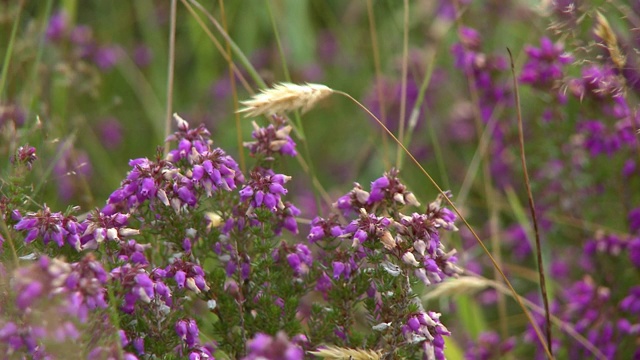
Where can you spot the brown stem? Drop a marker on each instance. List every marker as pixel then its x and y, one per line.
pixel 532 208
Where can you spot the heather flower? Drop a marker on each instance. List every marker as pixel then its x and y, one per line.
pixel 72 166
pixel 386 191
pixel 367 227
pixel 139 285
pixel 489 346
pixel 324 228
pixel 100 227
pixel 285 218
pixel 110 131
pixel 544 68
pixel 57 26
pixel 483 69
pixel 131 251
pixel 106 57
pixel 18 336
pixel 198 138
pixel 271 140
pixel 264 189
pixel 425 328
pixel 214 170
pixel 187 274
pixel 634 251
pixel 516 235
pixel 142 55
pixel 298 257
pixel 601 83
pixel 12 113
pixel 187 330
pixel 596 139
pixel 51 227
pixel 80 287
pixel 24 156
pixel 279 347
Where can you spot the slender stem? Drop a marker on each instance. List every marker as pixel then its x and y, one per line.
pixel 217 44
pixel 234 91
pixel 379 82
pixel 489 189
pixel 7 235
pixel 464 220
pixel 170 73
pixel 7 55
pixel 403 80
pixel 299 128
pixel 543 285
pixel 567 327
pixel 236 50
pixel 36 64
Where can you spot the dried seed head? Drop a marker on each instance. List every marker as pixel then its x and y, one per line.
pixel 285 97
pixel 603 30
pixel 335 352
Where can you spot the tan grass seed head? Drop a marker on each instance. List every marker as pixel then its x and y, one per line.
pixel 285 97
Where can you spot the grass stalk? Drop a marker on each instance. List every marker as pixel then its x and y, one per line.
pixel 170 73
pixel 532 208
pixel 234 90
pixel 299 128
pixel 375 49
pixel 403 80
pixel 7 55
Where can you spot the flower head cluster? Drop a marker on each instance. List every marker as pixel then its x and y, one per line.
pixel 187 274
pixel 80 286
pixel 324 228
pixel 600 83
pixel 100 226
pixel 24 156
pixel 139 285
pixel 84 46
pixel 265 347
pixel 386 191
pixel 298 257
pixel 483 69
pixel 187 331
pixel 198 138
pixel 214 170
pixel 489 346
pixel 418 243
pixel 51 227
pixel 426 329
pixel 271 140
pixel 264 189
pixel 544 68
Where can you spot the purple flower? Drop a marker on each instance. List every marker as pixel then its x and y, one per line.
pixel 427 329
pixel 271 140
pixel 24 156
pixel 544 68
pixel 279 347
pixel 51 227
pixel 110 131
pixel 72 167
pixel 57 26
pixel 106 57
pixel 142 55
pixel 264 189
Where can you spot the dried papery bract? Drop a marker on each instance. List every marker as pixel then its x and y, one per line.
pixel 285 97
pixel 335 352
